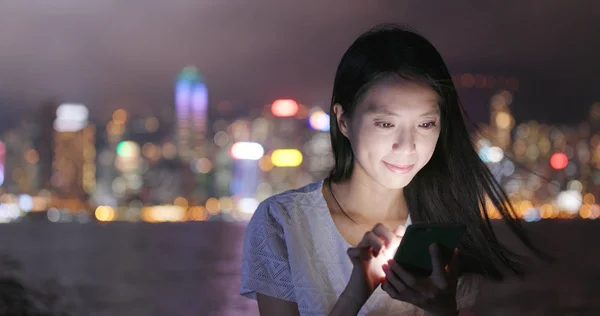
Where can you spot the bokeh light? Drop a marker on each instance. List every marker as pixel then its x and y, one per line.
pixel 286 158
pixel 71 117
pixel 569 201
pixel 247 151
pixel 128 149
pixel 503 120
pixel 105 213
pixel 284 108
pixel 247 205
pixel 213 206
pixel 169 151
pixel 151 124
pixel 221 139
pixel 559 161
pixel 32 156
pixel 202 165
pixel 319 121
pixel 119 116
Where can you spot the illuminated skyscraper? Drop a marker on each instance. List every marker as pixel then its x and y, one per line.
pixel 74 168
pixel 20 161
pixel 191 108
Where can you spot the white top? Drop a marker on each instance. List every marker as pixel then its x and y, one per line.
pixel 294 252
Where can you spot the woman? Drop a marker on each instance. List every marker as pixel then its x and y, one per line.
pixel 402 152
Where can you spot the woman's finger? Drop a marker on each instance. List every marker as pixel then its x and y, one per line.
pixel 357 254
pixel 390 289
pixel 398 235
pixel 384 233
pixel 438 273
pixel 453 266
pixel 397 289
pixel 372 242
pixel 400 230
pixel 354 253
pixel 413 284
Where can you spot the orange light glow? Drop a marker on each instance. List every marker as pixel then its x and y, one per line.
pixel 284 108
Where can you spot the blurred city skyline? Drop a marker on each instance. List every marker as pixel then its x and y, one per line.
pixel 115 55
pixel 191 111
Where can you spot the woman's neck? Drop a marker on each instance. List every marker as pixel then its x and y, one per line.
pixel 367 202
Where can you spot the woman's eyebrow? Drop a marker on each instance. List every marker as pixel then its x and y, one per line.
pixel 379 109
pixel 382 110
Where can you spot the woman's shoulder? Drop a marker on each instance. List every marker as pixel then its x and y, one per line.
pixel 288 200
pixel 291 203
pixel 309 189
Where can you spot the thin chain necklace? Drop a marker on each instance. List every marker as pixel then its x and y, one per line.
pixel 338 203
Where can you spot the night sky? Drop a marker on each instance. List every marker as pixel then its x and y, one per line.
pixel 109 54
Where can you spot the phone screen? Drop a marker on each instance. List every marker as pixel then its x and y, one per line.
pixel 413 252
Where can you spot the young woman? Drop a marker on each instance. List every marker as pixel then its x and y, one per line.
pixel 402 152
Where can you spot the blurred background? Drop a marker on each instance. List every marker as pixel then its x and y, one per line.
pixel 137 139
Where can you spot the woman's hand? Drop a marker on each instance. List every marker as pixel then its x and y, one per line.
pixel 435 294
pixel 369 257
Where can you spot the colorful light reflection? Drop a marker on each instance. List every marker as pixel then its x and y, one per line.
pixel 286 158
pixel 247 151
pixel 319 121
pixel 284 108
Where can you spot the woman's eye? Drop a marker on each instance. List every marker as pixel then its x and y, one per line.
pixel 428 125
pixel 384 125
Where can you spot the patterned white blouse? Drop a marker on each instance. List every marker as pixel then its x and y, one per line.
pixel 293 251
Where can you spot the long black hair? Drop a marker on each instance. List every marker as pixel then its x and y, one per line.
pixel 455 186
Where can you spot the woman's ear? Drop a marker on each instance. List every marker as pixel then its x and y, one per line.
pixel 341 119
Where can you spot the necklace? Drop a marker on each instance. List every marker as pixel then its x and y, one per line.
pixel 338 203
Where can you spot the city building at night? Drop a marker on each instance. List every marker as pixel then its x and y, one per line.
pixel 191 111
pixel 74 161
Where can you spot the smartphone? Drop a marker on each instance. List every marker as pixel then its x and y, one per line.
pixel 413 253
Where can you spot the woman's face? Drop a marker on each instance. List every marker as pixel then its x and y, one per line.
pixel 393 132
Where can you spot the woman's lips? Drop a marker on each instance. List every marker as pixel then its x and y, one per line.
pixel 399 168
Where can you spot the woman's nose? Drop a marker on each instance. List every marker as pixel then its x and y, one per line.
pixel 405 144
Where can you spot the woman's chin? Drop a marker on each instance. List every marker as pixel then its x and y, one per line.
pixel 395 182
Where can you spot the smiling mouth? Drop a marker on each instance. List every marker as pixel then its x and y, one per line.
pixel 399 168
